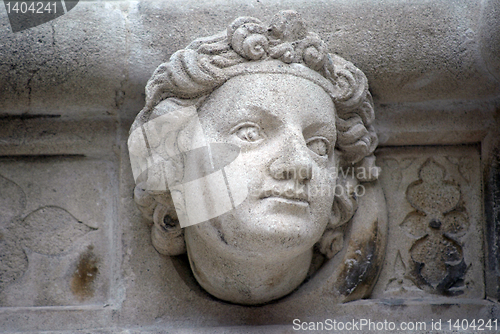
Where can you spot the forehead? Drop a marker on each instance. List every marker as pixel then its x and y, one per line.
pixel 282 95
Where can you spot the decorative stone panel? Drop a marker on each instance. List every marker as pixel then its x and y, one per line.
pixel 435 242
pixel 55 230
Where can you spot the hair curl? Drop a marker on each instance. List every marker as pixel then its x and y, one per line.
pixel 193 73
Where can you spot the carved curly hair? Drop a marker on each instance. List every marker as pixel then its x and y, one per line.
pixel 193 73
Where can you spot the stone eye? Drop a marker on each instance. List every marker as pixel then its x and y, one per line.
pixel 319 145
pixel 249 132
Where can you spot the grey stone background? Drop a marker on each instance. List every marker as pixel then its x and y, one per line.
pixel 94 62
pixel 70 88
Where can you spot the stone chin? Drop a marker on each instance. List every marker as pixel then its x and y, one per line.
pixel 282 236
pixel 250 280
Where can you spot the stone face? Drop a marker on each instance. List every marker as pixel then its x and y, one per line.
pixel 298 118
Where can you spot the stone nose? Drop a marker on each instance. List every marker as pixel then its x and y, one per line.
pixel 294 161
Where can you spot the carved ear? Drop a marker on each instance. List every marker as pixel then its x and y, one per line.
pixel 166 234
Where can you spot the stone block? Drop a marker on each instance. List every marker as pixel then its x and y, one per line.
pixel 56 224
pixel 49 135
pixel 71 66
pixel 96 59
pixel 435 243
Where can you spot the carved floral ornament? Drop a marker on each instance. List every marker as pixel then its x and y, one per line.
pixel 262 109
pixel 438 223
pixel 49 231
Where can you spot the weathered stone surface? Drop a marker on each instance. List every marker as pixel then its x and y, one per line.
pixel 410 52
pixel 69 91
pixel 46 135
pixel 55 250
pixel 435 123
pixel 491 152
pixel 72 66
pixel 436 223
pixel 489 37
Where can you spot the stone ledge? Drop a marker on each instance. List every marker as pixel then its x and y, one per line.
pixel 19 320
pixel 56 135
pixel 96 59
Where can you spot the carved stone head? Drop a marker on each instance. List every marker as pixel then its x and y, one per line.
pixel 285 157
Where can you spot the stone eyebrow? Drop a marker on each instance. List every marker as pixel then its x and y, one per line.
pixel 260 113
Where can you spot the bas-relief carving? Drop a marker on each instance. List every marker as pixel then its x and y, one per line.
pixel 292 208
pixel 48 231
pixel 435 241
pixel 438 222
pixel 47 256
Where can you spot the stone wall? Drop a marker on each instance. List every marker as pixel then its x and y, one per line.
pixel 75 252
